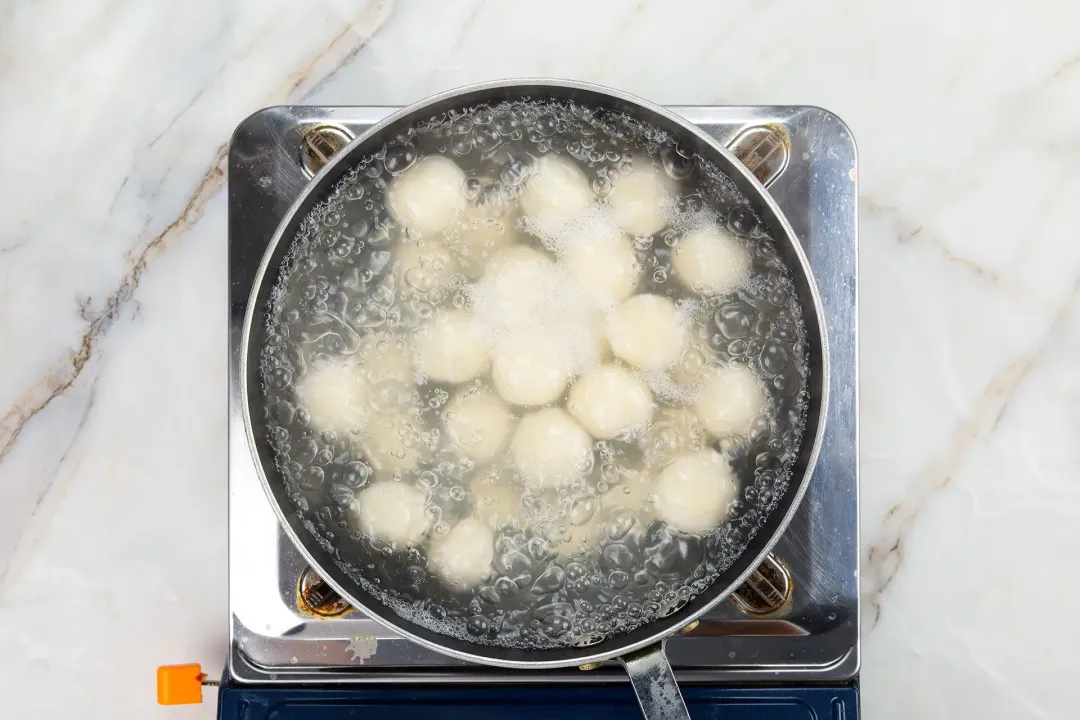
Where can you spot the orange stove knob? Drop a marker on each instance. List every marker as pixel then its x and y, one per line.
pixel 180 684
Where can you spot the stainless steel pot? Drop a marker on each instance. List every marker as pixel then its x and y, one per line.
pixel 642 650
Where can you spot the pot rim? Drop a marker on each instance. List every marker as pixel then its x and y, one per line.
pixel 732 166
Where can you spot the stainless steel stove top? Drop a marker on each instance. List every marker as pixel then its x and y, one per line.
pixel 796 620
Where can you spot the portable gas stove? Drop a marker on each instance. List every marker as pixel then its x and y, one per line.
pixel 785 646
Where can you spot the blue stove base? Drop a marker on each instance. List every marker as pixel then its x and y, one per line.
pixel 552 702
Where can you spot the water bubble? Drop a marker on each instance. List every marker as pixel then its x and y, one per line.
pixel 575 571
pixel 478 625
pixel 506 125
pixel 555 626
pixel 621 523
pixel 399 158
pixel 617 556
pixel 514 174
pixel 561 609
pixel 550 581
pixel 773 358
pixel 741 220
pixel 462 145
pixel 589 639
pixel 514 563
pixel 506 587
pixel 672 606
pixel 583 509
pixel 305 450
pixel 545 125
pixel 342 496
pixel 676 162
pixel 778 297
pixel 472 188
pixel 540 549
pixel 279 378
pixel 279 436
pixel 312 478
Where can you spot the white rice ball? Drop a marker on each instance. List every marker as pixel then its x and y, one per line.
pixel 556 190
pixel 393 512
pixel 710 261
pixel 463 556
pixel 648 332
pixel 693 493
pixel 601 261
pixel 637 198
pixel 427 196
pixel 335 396
pixel 729 398
pixel 478 422
pixel 609 400
pixel 529 369
pixel 550 448
pixel 450 349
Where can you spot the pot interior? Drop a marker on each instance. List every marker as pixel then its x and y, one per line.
pixel 336 283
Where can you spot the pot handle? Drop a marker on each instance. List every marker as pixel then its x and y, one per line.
pixel 654 684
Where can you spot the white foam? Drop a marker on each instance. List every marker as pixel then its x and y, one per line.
pixel 544 301
pixel 557 235
pixel 666 387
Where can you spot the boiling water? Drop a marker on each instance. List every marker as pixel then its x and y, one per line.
pixel 341 292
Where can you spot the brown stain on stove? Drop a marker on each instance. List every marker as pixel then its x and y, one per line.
pixel 334 608
pixel 747 147
pixel 747 628
pixel 746 598
pixel 782 132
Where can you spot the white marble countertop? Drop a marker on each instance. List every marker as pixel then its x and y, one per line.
pixel 113 136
